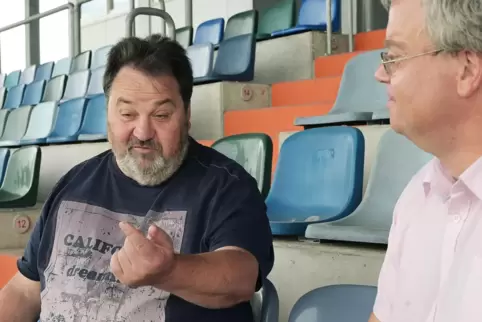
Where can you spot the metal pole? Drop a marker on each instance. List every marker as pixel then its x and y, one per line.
pixel 162 6
pixel 72 26
pixel 188 13
pixel 131 16
pixel 350 26
pixel 328 27
pixel 132 6
pixel 77 16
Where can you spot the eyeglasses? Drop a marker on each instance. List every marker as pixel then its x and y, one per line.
pixel 389 63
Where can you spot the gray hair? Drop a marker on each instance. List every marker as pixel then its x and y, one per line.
pixel 452 25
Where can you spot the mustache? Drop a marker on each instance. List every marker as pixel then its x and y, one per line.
pixel 135 142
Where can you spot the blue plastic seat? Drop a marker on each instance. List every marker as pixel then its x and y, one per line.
pixel 14 97
pixel 81 62
pixel 15 126
pixel 319 178
pixel 242 23
pixel 312 16
pixel 94 124
pixel 96 82
pixel 12 79
pixel 68 122
pixel 54 90
pixel 77 85
pixel 44 72
pixel 360 94
pixel 28 75
pixel 210 32
pixel 99 58
pixel 335 303
pixel 265 303
pixel 33 93
pixel 41 123
pixel 4 157
pixel 62 67
pixel 201 57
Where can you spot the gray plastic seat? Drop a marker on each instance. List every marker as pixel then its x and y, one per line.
pixel 81 62
pixel 2 79
pixel 3 94
pixel 41 123
pixel 62 67
pixel 335 303
pixel 77 85
pixel 3 120
pixel 242 23
pixel 15 126
pixel 201 57
pixel 358 97
pixel 184 36
pixel 96 82
pixel 54 90
pixel 396 162
pixel 99 58
pixel 28 75
pixel 265 303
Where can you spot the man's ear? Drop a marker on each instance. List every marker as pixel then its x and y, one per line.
pixel 469 76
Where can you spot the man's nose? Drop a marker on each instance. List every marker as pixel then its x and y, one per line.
pixel 144 130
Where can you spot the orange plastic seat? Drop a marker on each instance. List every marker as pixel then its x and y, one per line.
pixel 8 268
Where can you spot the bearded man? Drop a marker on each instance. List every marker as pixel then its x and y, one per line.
pixel 159 228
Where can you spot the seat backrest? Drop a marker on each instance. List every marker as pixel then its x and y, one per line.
pixel 81 62
pixel 265 303
pixel 236 57
pixel 210 31
pixel 69 117
pixel 62 67
pixel 28 75
pixel 95 118
pixel 14 96
pixel 359 90
pixel 41 121
pixel 3 120
pixel 44 71
pixel 20 172
pixel 96 82
pixel 16 124
pixel 77 84
pixel 313 12
pixel 201 57
pixel 4 157
pixel 335 303
pixel 12 79
pixel 99 58
pixel 33 93
pixel 184 36
pixel 242 23
pixel 319 172
pixel 254 151
pixel 54 90
pixel 2 79
pixel 3 94
pixel 278 17
pixel 8 264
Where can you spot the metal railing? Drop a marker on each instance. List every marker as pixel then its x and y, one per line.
pixel 329 27
pixel 130 20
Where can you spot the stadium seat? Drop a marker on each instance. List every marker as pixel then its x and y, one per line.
pixel 4 157
pixel 281 16
pixel 210 32
pixel 265 303
pixel 20 186
pixel 12 79
pixel 33 93
pixel 242 23
pixel 318 178
pixel 335 303
pixel 15 126
pixel 254 151
pixel 68 121
pixel 312 16
pixel 3 120
pixel 62 67
pixel 2 79
pixel 99 58
pixel 77 85
pixel 9 268
pixel 41 123
pixel 184 36
pixel 3 94
pixel 201 57
pixel 14 97
pixel 28 75
pixel 371 221
pixel 44 72
pixel 54 90
pixel 359 95
pixel 94 124
pixel 81 62
pixel 96 82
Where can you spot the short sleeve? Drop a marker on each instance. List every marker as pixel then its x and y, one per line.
pixel 238 218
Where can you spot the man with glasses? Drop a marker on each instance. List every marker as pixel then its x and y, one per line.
pixel 433 72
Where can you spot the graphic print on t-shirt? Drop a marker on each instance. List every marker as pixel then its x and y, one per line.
pixel 79 286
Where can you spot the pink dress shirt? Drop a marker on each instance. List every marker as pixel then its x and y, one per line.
pixel 433 266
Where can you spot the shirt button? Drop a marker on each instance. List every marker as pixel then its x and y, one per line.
pixel 456 218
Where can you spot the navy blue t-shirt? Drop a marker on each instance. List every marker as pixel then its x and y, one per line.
pixel 210 202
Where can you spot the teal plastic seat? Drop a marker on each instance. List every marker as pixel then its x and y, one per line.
pixel 41 123
pixel 278 17
pixel 184 36
pixel 20 185
pixel 12 79
pixel 254 151
pixel 16 126
pixel 242 23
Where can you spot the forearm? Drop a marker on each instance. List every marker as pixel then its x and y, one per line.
pixel 17 306
pixel 214 280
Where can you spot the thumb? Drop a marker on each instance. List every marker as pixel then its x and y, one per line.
pixel 159 237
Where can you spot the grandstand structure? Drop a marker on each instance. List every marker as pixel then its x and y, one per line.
pixel 286 88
